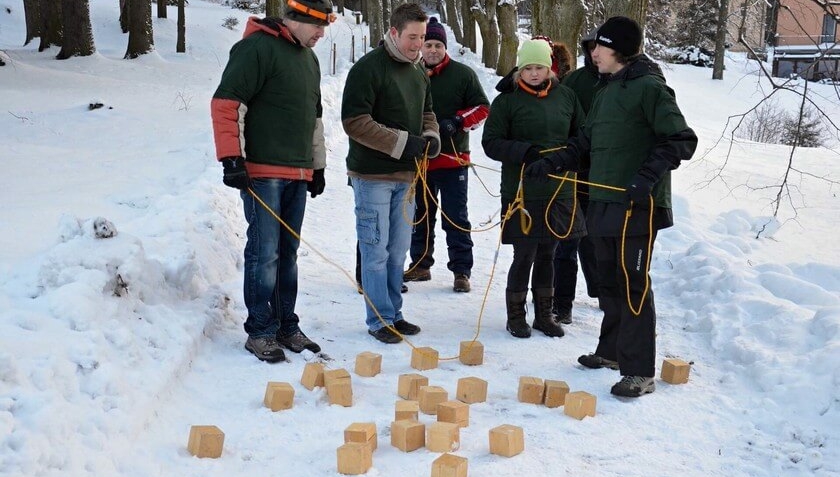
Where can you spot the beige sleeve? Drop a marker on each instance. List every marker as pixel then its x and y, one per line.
pixel 319 147
pixel 430 129
pixel 369 133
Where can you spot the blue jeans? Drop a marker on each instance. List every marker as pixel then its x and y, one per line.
pixel 384 233
pixel 451 185
pixel 271 280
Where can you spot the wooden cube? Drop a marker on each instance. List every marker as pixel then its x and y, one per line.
pixel 675 371
pixel 406 410
pixel 341 393
pixel 279 396
pixel 531 390
pixel 555 393
pixel 430 397
pixel 206 441
pixel 368 364
pixel 361 432
pixel 449 465
pixel 335 375
pixel 443 437
pixel 455 412
pixel 579 404
pixel 472 353
pixel 354 458
pixel 409 385
pixel 313 375
pixel 424 358
pixel 507 440
pixel 471 390
pixel 408 435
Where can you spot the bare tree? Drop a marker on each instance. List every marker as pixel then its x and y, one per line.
pixel 32 13
pixel 484 13
pixel 140 40
pixel 562 21
pixel 52 32
pixel 453 19
pixel 181 43
pixel 635 9
pixel 124 6
pixel 340 5
pixel 720 39
pixel 468 25
pixel 78 37
pixel 272 8
pixel 376 21
pixel 509 41
pixel 161 8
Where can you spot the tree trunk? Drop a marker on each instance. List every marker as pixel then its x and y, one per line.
pixel 340 5
pixel 377 26
pixel 140 40
pixel 485 16
pixel 635 9
pixel 161 8
pixel 468 25
pixel 562 20
pixel 720 40
pixel 272 8
pixel 441 12
pixel 536 20
pixel 453 21
pixel 181 43
pixel 78 37
pixel 386 14
pixel 51 28
pixel 510 42
pixel 124 5
pixel 32 13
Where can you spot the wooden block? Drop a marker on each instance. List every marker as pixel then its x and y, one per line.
pixel 406 410
pixel 472 353
pixel 449 465
pixel 531 390
pixel 313 375
pixel 368 364
pixel 443 437
pixel 675 371
pixel 430 397
pixel 424 358
pixel 579 404
pixel 206 441
pixel 335 375
pixel 471 390
pixel 408 435
pixel 409 385
pixel 279 396
pixel 361 432
pixel 555 393
pixel 507 440
pixel 455 412
pixel 354 458
pixel 340 392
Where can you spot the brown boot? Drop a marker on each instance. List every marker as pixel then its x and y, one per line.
pixel 545 320
pixel 517 325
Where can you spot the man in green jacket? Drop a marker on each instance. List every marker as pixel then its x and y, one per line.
pixel 272 83
pixel 386 111
pixel 634 135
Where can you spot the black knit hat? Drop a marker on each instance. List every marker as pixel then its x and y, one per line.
pixel 316 12
pixel 622 34
pixel 435 31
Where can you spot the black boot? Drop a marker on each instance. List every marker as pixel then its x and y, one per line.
pixel 545 320
pixel 517 325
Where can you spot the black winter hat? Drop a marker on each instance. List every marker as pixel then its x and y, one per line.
pixel 622 34
pixel 435 31
pixel 316 12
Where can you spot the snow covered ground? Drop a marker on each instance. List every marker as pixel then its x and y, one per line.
pixel 110 349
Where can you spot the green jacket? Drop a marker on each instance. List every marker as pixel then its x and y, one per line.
pixel 585 83
pixel 457 91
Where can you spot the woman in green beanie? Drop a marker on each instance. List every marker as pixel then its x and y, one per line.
pixel 533 113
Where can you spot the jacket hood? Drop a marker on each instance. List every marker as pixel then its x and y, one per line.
pixel 587 56
pixel 642 65
pixel 269 25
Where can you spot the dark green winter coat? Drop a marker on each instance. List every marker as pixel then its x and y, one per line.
pixel 455 88
pixel 585 83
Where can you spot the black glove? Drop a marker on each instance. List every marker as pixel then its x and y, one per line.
pixel 531 156
pixel 638 190
pixel 450 127
pixel 434 144
pixel 540 170
pixel 317 184
pixel 415 146
pixel 235 175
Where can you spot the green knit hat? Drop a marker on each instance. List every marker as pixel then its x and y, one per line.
pixel 534 52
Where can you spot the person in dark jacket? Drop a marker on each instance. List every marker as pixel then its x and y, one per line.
pixel 635 135
pixel 460 105
pixel 386 110
pixel 272 83
pixel 585 82
pixel 533 113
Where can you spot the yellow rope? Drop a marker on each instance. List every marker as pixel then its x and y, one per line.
pixel 635 311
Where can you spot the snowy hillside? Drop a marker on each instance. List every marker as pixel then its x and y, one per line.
pixel 110 349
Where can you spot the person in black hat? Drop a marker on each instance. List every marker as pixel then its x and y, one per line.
pixel 634 135
pixel 272 83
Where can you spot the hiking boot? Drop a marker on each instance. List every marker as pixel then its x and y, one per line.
pixel 296 342
pixel 406 328
pixel 403 288
pixel 516 323
pixel 544 319
pixel 633 386
pixel 594 361
pixel 461 283
pixel 563 316
pixel 385 335
pixel 265 348
pixel 417 274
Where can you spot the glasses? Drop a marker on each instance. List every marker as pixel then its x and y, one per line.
pixel 327 17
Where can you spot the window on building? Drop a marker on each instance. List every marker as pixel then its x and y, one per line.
pixel 829 29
